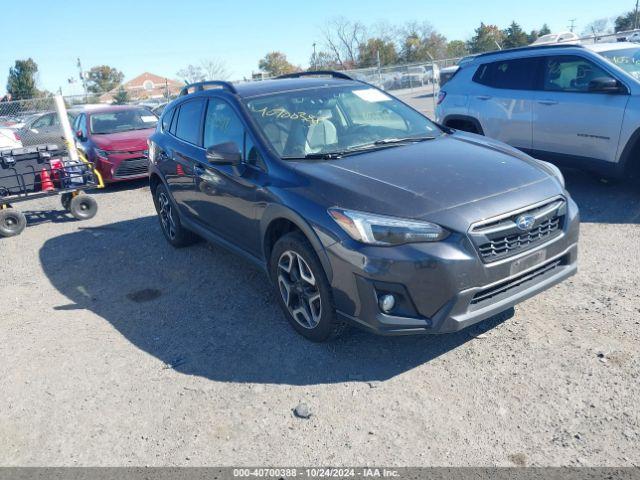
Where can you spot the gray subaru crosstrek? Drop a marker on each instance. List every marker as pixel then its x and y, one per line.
pixel 359 208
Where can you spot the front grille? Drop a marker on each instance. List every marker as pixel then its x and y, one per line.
pixel 500 238
pixel 507 287
pixel 503 246
pixel 132 167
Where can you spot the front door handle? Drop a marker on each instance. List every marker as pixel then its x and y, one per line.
pixel 547 102
pixel 484 97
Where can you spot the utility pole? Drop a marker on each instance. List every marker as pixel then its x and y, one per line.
pixel 83 79
pixel 635 16
pixel 315 59
pixel 572 26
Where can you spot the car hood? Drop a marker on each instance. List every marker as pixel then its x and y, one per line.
pixel 418 179
pixel 130 140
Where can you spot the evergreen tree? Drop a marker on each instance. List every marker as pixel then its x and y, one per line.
pixel 515 37
pixel 21 83
pixel 121 97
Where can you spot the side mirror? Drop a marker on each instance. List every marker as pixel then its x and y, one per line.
pixel 79 135
pixel 226 153
pixel 606 85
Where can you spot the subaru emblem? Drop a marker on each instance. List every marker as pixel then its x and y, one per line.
pixel 525 222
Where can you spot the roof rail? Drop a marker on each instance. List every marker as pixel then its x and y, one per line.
pixel 528 47
pixel 312 73
pixel 200 86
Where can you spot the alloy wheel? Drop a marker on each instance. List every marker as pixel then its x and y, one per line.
pixel 299 289
pixel 166 215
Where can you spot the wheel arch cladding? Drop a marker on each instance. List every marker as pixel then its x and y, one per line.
pixel 453 121
pixel 630 158
pixel 154 181
pixel 278 221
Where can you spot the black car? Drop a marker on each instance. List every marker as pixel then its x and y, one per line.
pixel 359 208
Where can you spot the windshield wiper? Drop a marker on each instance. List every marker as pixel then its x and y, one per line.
pixel 395 141
pixel 369 147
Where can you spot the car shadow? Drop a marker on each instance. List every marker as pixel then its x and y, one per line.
pixel 203 311
pixel 603 201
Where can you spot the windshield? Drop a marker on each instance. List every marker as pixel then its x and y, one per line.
pixel 329 120
pixel 627 59
pixel 122 121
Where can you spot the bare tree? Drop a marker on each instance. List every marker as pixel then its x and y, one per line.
pixel 601 26
pixel 342 38
pixel 214 69
pixel 191 74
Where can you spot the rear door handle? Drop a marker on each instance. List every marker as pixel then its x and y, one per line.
pixel 484 97
pixel 547 102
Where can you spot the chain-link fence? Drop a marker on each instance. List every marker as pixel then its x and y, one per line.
pixel 26 123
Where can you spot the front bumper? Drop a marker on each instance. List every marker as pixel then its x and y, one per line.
pixel 123 167
pixel 443 287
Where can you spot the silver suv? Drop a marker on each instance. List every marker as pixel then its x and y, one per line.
pixel 575 105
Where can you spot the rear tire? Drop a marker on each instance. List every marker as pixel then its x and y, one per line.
pixel 302 289
pixel 12 222
pixel 83 207
pixel 170 223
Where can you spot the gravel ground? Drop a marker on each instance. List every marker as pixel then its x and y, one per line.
pixel 119 350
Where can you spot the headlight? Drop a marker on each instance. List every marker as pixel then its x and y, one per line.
pixel 382 230
pixel 553 170
pixel 101 153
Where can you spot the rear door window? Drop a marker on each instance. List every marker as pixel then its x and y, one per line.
pixel 187 127
pixel 166 120
pixel 517 74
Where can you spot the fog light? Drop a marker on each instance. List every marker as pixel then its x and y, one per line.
pixel 387 302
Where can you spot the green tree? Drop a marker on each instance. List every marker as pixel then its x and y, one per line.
pixel 121 97
pixel 486 39
pixel 456 49
pixel 103 78
pixel 545 30
pixel 323 61
pixel 369 51
pixel 420 42
pixel 276 63
pixel 514 36
pixel 21 83
pixel 627 21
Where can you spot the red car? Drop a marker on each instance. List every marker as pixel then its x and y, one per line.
pixel 114 138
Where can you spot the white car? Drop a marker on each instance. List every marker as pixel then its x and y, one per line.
pixel 552 38
pixel 9 139
pixel 577 105
pixel 634 37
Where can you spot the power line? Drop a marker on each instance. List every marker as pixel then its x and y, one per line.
pixel 572 26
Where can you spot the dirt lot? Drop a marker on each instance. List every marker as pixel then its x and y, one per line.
pixel 119 350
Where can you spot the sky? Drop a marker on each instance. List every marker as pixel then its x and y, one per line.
pixel 161 36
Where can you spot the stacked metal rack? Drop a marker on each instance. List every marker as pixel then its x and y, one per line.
pixel 40 171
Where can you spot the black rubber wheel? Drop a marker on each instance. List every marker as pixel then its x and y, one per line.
pixel 83 207
pixel 65 200
pixel 303 292
pixel 170 223
pixel 12 222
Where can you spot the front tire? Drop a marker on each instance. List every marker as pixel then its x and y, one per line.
pixel 302 288
pixel 170 223
pixel 83 207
